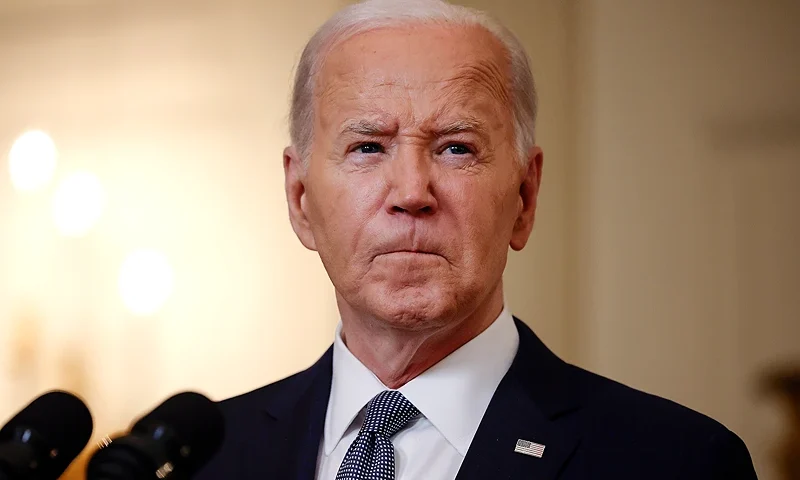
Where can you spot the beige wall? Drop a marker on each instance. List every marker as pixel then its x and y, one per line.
pixel 665 255
pixel 688 155
pixel 180 108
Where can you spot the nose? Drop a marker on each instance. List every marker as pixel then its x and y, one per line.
pixel 410 181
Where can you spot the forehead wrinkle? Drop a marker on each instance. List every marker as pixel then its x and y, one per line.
pixel 350 87
pixel 485 74
pixel 462 104
pixel 327 97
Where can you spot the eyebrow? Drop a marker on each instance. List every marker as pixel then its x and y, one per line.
pixel 368 128
pixel 372 128
pixel 460 126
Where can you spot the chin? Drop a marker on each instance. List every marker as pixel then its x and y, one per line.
pixel 413 307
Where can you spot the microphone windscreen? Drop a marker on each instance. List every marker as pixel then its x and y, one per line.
pixel 197 422
pixel 63 423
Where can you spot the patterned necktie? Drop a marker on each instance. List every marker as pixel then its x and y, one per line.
pixel 371 455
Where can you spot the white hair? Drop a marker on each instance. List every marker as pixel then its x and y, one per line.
pixel 373 14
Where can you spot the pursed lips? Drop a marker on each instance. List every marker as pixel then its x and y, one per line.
pixel 420 252
pixel 408 252
pixel 411 255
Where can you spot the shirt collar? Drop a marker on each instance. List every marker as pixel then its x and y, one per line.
pixel 453 394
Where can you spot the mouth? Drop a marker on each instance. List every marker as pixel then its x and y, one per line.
pixel 422 252
pixel 409 253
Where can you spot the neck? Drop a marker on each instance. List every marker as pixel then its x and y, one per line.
pixel 396 355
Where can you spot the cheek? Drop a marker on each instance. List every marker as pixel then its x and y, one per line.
pixel 344 204
pixel 486 217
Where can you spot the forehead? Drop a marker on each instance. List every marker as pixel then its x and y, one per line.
pixel 424 70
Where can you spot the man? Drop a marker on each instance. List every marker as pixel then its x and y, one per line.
pixel 413 168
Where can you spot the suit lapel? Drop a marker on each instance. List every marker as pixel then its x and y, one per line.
pixel 536 401
pixel 533 402
pixel 292 427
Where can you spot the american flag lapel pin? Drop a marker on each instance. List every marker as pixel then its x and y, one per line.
pixel 529 448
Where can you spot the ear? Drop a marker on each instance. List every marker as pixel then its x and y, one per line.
pixel 294 171
pixel 528 195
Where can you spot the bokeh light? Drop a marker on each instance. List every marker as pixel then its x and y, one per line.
pixel 78 204
pixel 32 161
pixel 146 281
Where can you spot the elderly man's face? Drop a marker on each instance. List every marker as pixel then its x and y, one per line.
pixel 414 191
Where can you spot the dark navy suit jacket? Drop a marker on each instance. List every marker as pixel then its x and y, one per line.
pixel 592 428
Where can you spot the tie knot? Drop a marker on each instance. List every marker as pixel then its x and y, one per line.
pixel 388 412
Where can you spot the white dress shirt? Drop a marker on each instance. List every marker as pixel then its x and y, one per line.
pixel 452 396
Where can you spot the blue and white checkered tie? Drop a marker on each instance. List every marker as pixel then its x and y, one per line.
pixel 371 455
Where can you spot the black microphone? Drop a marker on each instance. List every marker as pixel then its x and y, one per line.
pixel 173 442
pixel 41 441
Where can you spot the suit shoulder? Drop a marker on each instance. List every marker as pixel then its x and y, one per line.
pixel 624 419
pixel 265 395
pixel 274 394
pixel 615 402
pixel 249 420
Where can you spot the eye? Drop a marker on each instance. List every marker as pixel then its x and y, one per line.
pixel 370 147
pixel 458 149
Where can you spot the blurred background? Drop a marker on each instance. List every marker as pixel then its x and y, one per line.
pixel 145 246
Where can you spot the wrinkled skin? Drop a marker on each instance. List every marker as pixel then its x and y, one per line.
pixel 413 191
